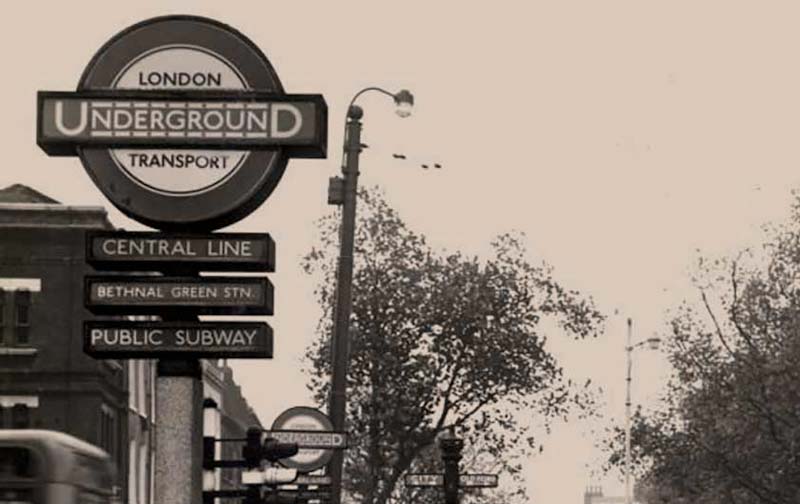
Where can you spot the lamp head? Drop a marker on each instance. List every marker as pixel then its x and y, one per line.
pixel 405 102
pixel 653 343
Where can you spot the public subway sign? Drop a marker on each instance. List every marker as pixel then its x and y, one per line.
pixel 182 123
pixel 162 251
pixel 120 339
pixel 158 295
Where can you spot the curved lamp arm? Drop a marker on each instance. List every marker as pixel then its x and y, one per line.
pixel 403 99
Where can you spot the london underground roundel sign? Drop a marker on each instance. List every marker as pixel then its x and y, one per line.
pixel 182 123
pixel 300 422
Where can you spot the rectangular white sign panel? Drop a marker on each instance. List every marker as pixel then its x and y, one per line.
pixel 311 439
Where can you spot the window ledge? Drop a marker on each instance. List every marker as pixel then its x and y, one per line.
pixel 17 351
pixel 113 364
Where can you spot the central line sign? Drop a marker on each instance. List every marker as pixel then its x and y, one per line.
pixel 211 252
pixel 204 295
pixel 118 339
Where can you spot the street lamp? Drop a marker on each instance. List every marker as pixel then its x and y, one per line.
pixel 342 191
pixel 652 344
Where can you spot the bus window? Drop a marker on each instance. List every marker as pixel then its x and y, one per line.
pixel 16 496
pixel 16 465
pixel 16 462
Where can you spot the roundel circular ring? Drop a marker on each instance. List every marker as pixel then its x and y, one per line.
pixel 182 160
pixel 304 418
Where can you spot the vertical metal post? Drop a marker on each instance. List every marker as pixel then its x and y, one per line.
pixel 179 432
pixel 211 449
pixel 628 352
pixel 344 288
pixel 451 455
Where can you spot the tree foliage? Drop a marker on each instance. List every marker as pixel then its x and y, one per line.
pixel 729 427
pixel 438 340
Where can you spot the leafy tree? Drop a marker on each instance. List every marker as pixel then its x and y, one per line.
pixel 728 430
pixel 439 340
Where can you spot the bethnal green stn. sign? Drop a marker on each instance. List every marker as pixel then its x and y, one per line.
pixel 182 123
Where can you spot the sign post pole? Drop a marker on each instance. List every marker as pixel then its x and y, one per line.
pixel 451 447
pixel 179 431
pixel 451 481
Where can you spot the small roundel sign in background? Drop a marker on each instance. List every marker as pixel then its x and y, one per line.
pixel 182 123
pixel 303 418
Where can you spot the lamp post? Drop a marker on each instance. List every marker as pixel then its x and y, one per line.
pixel 343 191
pixel 451 447
pixel 629 348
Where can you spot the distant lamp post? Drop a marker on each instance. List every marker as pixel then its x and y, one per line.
pixel 342 191
pixel 652 344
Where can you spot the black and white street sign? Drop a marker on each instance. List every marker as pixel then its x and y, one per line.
pixel 424 480
pixel 311 428
pixel 121 339
pixel 144 251
pixel 311 439
pixel 206 295
pixel 464 480
pixel 477 480
pixel 312 480
pixel 269 476
pixel 182 123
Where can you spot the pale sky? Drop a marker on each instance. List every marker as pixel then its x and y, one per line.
pixel 621 136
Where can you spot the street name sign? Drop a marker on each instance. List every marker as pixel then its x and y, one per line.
pixel 142 251
pixel 310 438
pixel 268 476
pixel 198 295
pixel 305 420
pixel 464 480
pixel 477 480
pixel 121 339
pixel 424 480
pixel 313 479
pixel 182 123
pixel 312 496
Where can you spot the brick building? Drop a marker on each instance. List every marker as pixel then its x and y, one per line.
pixel 237 416
pixel 47 382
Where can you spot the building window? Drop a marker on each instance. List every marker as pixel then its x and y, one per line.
pixel 133 475
pixel 141 383
pixel 20 417
pixel 107 431
pixel 132 384
pixel 143 479
pixel 22 316
pixel 2 316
